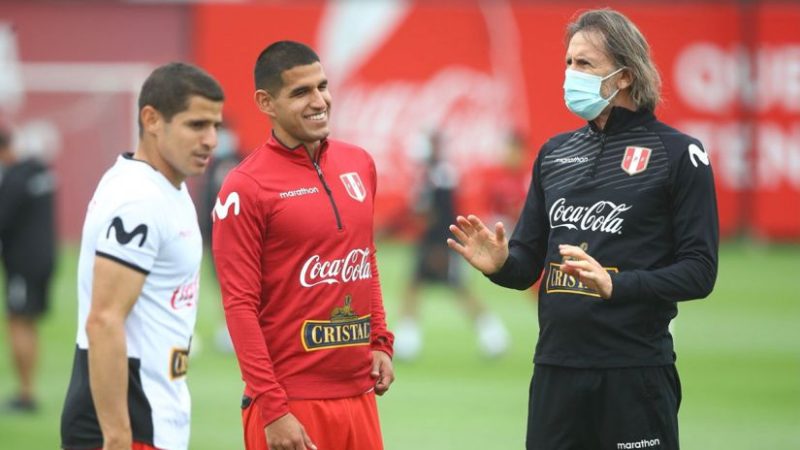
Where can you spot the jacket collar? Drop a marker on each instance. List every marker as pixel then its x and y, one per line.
pixel 297 151
pixel 623 119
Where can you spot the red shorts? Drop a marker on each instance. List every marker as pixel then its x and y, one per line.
pixel 343 423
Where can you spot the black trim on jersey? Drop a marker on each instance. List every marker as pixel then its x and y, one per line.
pixel 129 157
pixel 123 262
pixel 79 426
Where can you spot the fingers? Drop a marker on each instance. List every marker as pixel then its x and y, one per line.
pixel 381 386
pixel 576 253
pixel 307 441
pixel 460 235
pixel 376 367
pixel 591 274
pixel 500 231
pixel 458 248
pixel 382 371
pixel 385 381
pixel 475 222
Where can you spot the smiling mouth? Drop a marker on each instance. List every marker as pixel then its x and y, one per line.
pixel 318 117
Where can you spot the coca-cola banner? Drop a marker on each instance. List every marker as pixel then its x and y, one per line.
pixel 477 72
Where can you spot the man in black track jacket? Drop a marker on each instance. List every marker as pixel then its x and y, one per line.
pixel 621 223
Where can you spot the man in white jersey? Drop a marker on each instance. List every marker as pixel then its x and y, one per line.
pixel 138 275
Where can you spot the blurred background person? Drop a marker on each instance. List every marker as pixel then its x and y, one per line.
pixel 27 242
pixel 436 264
pixel 504 185
pixel 226 157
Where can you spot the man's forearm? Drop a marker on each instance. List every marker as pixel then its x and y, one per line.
pixel 108 377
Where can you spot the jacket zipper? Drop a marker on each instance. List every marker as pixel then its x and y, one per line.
pixel 327 191
pixel 599 154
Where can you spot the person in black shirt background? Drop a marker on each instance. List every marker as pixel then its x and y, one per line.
pixel 621 222
pixel 436 264
pixel 27 237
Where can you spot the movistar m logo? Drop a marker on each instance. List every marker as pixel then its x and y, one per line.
pixel 221 209
pixel 122 236
pixel 697 154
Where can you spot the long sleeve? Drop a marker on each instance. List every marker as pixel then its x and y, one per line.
pixel 528 244
pixel 380 337
pixel 695 236
pixel 238 232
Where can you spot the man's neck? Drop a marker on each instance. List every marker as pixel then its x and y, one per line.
pixel 152 157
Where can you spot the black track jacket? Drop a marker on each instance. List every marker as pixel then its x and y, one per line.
pixel 639 197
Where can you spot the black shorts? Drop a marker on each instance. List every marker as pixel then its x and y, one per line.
pixel 603 409
pixel 436 263
pixel 26 294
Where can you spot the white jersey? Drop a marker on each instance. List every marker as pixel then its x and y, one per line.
pixel 139 219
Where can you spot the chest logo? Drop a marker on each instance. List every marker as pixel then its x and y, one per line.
pixel 122 236
pixel 602 216
pixel 344 329
pixel 635 160
pixel 559 282
pixel 355 188
pixel 221 209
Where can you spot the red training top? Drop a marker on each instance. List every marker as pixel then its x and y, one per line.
pixel 293 247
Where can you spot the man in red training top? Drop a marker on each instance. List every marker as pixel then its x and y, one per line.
pixel 293 244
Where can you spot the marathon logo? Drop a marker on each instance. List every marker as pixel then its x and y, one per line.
pixel 179 363
pixel 299 192
pixel 560 282
pixel 345 329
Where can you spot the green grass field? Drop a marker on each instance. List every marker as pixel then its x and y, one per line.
pixel 738 354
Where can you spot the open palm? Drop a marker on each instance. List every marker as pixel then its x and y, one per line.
pixel 483 249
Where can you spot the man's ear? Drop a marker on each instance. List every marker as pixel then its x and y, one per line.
pixel 625 79
pixel 265 102
pixel 152 120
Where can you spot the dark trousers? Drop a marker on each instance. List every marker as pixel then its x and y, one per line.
pixel 603 409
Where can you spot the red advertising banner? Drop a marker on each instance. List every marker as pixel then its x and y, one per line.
pixel 69 83
pixel 478 71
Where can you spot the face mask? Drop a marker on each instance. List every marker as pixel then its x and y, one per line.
pixel 582 93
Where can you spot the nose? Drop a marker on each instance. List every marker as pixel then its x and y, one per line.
pixel 318 100
pixel 210 137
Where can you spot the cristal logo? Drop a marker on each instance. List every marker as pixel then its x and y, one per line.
pixel 221 209
pixel 602 216
pixel 353 267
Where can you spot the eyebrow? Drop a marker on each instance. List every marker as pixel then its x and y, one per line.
pixel 298 90
pixel 301 89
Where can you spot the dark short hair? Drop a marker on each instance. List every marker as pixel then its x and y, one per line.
pixel 277 58
pixel 169 88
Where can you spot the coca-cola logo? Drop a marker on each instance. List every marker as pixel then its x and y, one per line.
pixel 602 216
pixel 353 267
pixel 184 296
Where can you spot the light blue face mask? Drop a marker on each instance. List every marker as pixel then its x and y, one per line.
pixel 582 93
